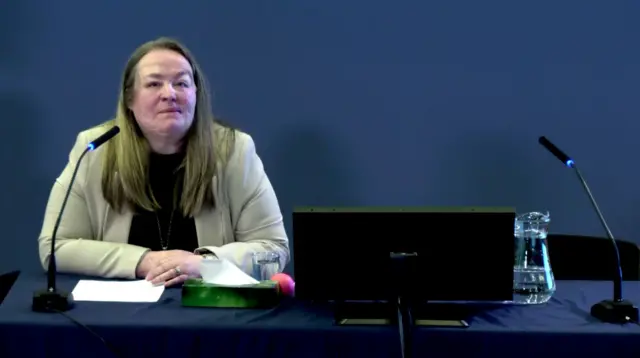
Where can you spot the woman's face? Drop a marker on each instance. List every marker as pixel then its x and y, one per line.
pixel 164 98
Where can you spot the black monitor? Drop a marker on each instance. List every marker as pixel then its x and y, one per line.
pixel 461 254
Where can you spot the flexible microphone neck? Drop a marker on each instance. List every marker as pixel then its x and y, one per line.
pixel 617 278
pixel 616 310
pixel 52 269
pixel 52 300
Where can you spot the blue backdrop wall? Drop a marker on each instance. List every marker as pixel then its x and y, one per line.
pixel 350 102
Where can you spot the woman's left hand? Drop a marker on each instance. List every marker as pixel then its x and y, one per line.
pixel 175 268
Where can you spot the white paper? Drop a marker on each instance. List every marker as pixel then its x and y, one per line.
pixel 223 272
pixel 117 291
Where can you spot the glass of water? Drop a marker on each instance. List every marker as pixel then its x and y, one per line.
pixel 265 265
pixel 533 281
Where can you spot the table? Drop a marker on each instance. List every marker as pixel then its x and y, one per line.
pixel 560 328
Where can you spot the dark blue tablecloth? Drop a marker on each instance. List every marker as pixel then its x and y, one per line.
pixel 560 328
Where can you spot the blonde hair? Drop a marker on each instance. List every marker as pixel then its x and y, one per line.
pixel 207 145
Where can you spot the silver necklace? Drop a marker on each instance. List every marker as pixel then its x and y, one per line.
pixel 163 243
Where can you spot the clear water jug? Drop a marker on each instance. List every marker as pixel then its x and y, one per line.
pixel 533 281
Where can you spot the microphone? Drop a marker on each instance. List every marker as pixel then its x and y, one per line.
pixel 616 310
pixel 52 300
pixel 102 139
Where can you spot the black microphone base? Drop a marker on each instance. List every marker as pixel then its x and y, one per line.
pixel 56 301
pixel 611 311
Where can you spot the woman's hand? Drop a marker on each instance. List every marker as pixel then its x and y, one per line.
pixel 174 267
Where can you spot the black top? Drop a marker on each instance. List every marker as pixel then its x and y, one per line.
pixel 178 232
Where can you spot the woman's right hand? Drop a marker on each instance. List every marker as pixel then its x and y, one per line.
pixel 154 259
pixel 149 261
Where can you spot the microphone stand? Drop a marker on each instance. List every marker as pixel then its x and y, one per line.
pixel 617 279
pixel 616 310
pixel 52 300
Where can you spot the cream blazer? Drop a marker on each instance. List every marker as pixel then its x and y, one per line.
pixel 92 238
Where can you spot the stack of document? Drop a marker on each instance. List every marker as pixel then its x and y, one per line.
pixel 117 291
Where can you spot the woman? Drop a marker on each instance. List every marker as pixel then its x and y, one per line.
pixel 173 187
